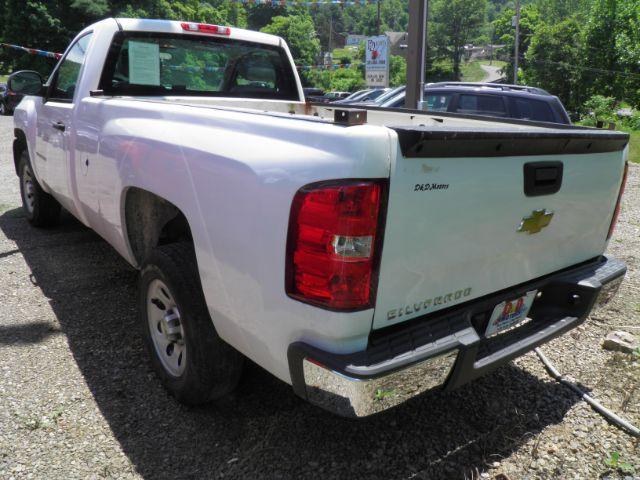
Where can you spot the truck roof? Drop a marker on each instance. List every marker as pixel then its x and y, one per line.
pixel 176 26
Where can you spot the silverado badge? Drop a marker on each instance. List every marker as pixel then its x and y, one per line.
pixel 536 221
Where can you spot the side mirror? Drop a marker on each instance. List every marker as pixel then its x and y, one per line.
pixel 26 82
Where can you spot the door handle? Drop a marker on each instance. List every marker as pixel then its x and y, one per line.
pixel 59 126
pixel 542 178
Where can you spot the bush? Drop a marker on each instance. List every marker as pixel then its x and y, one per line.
pixel 341 79
pixel 632 122
pixel 599 109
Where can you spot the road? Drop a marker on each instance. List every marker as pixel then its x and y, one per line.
pixel 492 73
pixel 79 400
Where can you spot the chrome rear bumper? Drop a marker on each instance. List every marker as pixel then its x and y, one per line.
pixel 448 349
pixel 349 396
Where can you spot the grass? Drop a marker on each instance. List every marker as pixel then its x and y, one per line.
pixel 634 145
pixel 472 72
pixel 634 142
pixel 381 394
pixel 3 78
pixel 614 462
pixel 339 53
pixel 495 63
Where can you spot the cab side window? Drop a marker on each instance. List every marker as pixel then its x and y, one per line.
pixel 528 109
pixel 491 105
pixel 66 77
pixel 438 102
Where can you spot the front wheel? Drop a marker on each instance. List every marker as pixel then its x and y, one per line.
pixel 41 209
pixel 191 360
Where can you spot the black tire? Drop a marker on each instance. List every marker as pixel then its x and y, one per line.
pixel 3 109
pixel 41 209
pixel 212 368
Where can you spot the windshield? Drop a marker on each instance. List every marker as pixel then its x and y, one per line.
pixel 167 64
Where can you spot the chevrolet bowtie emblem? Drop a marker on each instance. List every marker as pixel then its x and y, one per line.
pixel 536 221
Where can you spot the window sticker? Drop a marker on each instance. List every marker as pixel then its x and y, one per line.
pixel 144 63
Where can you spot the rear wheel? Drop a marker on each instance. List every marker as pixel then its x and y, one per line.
pixel 41 209
pixel 191 360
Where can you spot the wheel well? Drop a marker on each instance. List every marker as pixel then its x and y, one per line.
pixel 152 221
pixel 19 145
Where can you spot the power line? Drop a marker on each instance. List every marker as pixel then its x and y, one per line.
pixel 576 67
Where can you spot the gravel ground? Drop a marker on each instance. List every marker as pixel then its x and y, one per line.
pixel 78 399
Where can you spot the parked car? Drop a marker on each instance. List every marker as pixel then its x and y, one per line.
pixel 333 96
pixel 363 96
pixel 380 100
pixel 313 94
pixel 15 90
pixel 356 94
pixel 490 99
pixel 348 253
pixel 3 93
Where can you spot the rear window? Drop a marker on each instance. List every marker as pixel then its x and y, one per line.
pixel 438 102
pixel 481 105
pixel 528 109
pixel 167 64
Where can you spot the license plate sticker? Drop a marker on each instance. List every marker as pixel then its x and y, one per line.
pixel 510 313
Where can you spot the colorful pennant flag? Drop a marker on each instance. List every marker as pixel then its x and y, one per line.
pixel 33 51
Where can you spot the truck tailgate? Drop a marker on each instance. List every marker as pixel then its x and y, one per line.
pixel 460 225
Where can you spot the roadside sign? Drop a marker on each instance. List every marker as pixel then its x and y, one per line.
pixel 377 61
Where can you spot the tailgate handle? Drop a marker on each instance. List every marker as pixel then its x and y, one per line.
pixel 542 178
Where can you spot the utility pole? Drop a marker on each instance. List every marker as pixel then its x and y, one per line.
pixel 379 3
pixel 330 32
pixel 418 11
pixel 517 44
pixel 493 42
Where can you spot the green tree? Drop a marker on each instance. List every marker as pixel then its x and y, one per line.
pixel 456 22
pixel 219 12
pixel 300 34
pixel 556 11
pixel 397 71
pixel 612 49
pixel 600 48
pixel 342 79
pixel 505 34
pixel 628 49
pixel 90 9
pixel 553 61
pixel 328 19
pixel 33 24
pixel 599 108
pixel 259 16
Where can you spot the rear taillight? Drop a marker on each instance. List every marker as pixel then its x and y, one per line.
pixel 205 28
pixel 616 212
pixel 334 242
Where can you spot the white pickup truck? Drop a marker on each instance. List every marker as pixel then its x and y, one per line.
pixel 362 256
